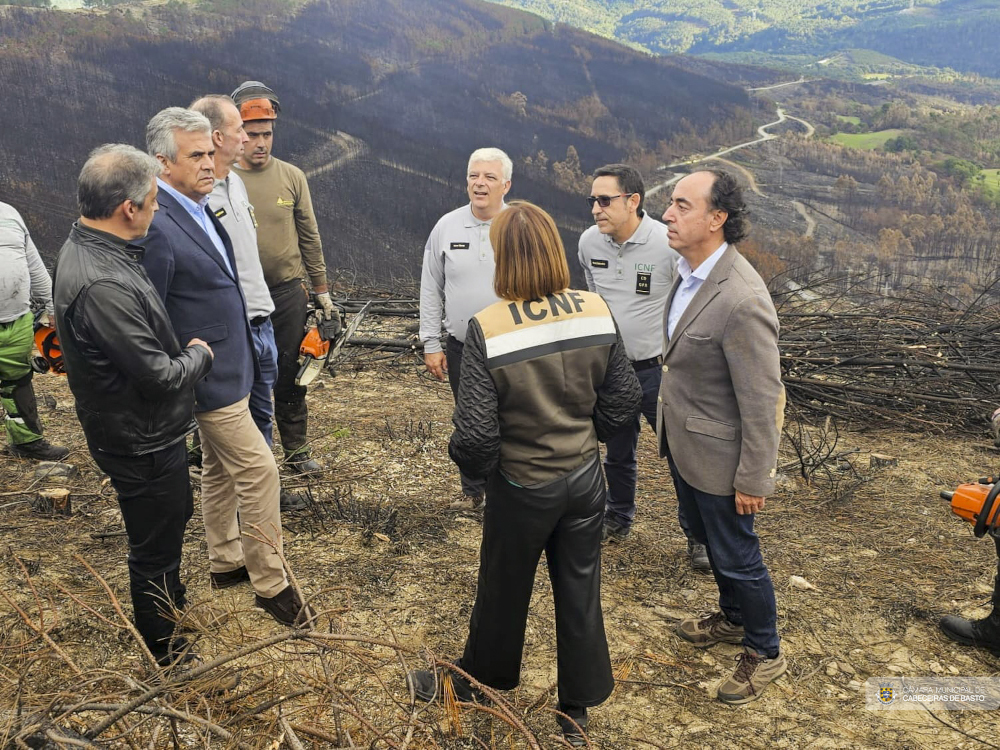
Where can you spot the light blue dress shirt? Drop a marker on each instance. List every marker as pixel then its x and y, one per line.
pixel 691 282
pixel 199 212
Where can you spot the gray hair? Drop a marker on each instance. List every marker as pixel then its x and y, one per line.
pixel 492 154
pixel 113 174
pixel 161 130
pixel 211 105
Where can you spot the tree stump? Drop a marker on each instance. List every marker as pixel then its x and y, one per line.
pixel 881 460
pixel 53 501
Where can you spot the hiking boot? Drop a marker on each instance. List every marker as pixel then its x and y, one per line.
pixel 292 501
pixel 230 578
pixel 200 618
pixel 468 502
pixel 698 556
pixel 708 630
pixel 213 682
pixel 40 450
pixel 302 463
pixel 428 685
pixel 573 733
pixel 614 531
pixel 984 633
pixel 753 673
pixel 287 608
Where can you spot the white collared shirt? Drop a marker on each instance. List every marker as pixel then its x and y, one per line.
pixel 691 282
pixel 199 212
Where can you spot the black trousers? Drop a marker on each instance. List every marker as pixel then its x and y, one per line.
pixel 289 319
pixel 564 518
pixel 453 349
pixel 996 581
pixel 154 494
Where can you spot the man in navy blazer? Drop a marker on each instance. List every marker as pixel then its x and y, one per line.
pixel 190 261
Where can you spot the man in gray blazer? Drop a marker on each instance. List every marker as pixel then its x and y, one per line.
pixel 719 418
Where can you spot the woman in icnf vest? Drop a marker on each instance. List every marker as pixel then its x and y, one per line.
pixel 544 378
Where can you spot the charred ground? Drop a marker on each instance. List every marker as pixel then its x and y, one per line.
pixel 384 560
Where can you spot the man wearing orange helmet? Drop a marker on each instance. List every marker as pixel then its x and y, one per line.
pixel 290 250
pixel 23 278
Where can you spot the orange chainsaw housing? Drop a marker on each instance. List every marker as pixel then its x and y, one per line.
pixel 314 345
pixel 48 346
pixel 978 503
pixel 967 502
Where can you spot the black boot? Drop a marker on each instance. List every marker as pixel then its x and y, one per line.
pixel 573 731
pixel 983 633
pixel 428 685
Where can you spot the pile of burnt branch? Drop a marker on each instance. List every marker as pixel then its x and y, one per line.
pixel 918 359
pixel 75 673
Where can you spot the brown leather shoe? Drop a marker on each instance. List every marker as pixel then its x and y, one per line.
pixel 287 608
pixel 230 578
pixel 753 673
pixel 708 630
pixel 468 503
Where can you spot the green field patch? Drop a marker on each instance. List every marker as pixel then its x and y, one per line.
pixel 867 141
pixel 876 76
pixel 990 183
pixel 849 118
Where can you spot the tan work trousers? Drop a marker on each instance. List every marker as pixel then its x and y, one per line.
pixel 239 474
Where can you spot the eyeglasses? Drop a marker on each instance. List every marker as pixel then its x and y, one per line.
pixel 605 200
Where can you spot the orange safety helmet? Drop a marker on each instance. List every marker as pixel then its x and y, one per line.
pixel 48 346
pixel 257 109
pixel 256 101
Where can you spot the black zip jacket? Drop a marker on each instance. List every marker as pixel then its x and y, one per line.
pixel 542 382
pixel 133 383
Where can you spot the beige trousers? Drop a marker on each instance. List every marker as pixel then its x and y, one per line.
pixel 240 490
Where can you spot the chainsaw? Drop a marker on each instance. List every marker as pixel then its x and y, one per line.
pixel 977 503
pixel 49 357
pixel 315 347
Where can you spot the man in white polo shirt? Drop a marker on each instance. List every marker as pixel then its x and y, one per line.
pixel 456 280
pixel 627 260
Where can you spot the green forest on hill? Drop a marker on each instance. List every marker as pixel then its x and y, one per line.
pixel 938 33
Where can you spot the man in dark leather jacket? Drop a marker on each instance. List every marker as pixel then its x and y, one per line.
pixel 132 380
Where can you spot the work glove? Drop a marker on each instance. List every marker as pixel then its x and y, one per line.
pixel 325 309
pixel 995 427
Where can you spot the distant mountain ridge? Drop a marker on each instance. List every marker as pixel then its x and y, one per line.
pixel 956 34
pixel 382 101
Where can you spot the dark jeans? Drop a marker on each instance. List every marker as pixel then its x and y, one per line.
pixel 746 594
pixel 289 320
pixel 154 494
pixel 564 519
pixel 620 465
pixel 453 356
